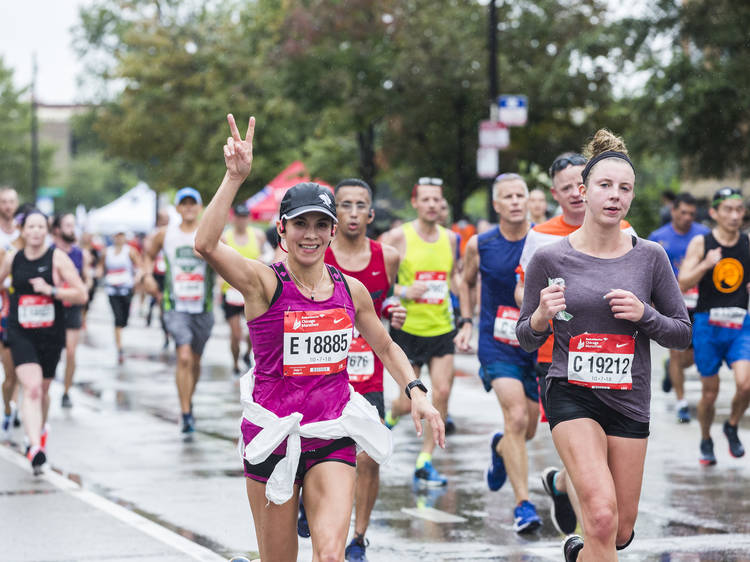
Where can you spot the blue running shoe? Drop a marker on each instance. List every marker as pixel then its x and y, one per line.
pixel 355 551
pixel 188 423
pixel 496 473
pixel 683 415
pixel 735 445
pixel 303 529
pixel 707 457
pixel 429 476
pixel 526 518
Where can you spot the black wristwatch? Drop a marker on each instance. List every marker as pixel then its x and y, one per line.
pixel 415 383
pixel 464 320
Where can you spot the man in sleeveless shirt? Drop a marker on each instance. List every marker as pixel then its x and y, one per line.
pixel 8 234
pixel 505 367
pixel 376 266
pixel 718 263
pixel 248 242
pixel 674 237
pixel 427 269
pixel 64 232
pixel 188 296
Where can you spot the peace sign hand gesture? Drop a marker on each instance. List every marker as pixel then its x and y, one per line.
pixel 238 153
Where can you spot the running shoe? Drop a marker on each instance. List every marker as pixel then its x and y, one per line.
pixel 707 452
pixel 236 371
pixel 496 473
pixel 450 425
pixel 120 357
pixel 247 359
pixel 355 550
pixel 526 518
pixel 563 516
pixel 683 415
pixel 666 382
pixel 188 423
pixel 239 559
pixel 66 402
pixel 43 436
pixel 571 547
pixel 429 476
pixel 735 446
pixel 38 458
pixel 391 420
pixel 7 425
pixel 303 529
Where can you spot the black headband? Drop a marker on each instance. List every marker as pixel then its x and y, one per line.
pixel 599 157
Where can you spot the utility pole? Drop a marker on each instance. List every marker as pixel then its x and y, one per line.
pixel 34 134
pixel 494 88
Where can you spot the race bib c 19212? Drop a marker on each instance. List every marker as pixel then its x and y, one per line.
pixel 601 361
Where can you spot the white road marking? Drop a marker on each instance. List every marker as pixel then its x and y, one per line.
pixel 432 514
pixel 154 530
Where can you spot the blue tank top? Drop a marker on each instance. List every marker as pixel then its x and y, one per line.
pixel 674 243
pixel 498 259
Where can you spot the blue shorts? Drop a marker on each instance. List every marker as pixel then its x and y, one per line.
pixel 714 344
pixel 502 369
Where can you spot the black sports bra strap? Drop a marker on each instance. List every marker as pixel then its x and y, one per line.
pixel 281 272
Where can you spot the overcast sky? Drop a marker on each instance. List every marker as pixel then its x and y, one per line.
pixel 43 26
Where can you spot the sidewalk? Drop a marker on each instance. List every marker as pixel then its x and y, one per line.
pixel 50 517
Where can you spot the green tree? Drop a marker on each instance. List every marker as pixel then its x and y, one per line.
pixel 15 137
pixel 696 103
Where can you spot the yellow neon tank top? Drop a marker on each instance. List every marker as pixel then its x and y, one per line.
pixel 431 262
pixel 249 250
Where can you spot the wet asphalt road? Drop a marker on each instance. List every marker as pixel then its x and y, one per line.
pixel 121 442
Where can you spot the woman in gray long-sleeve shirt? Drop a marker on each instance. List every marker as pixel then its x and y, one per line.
pixel 609 294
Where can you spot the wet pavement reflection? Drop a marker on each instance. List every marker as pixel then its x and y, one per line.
pixel 121 440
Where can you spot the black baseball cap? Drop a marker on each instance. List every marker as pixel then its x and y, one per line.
pixel 307 197
pixel 241 210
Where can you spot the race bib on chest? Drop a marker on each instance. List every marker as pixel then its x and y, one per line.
pixel 505 325
pixel 188 287
pixel 361 364
pixel 36 311
pixel 691 298
pixel 601 361
pixel 729 317
pixel 118 277
pixel 234 297
pixel 437 286
pixel 316 342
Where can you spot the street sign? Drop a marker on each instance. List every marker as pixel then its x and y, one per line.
pixel 513 110
pixel 50 191
pixel 488 162
pixel 493 134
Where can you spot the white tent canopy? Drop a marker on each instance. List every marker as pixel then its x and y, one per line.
pixel 135 211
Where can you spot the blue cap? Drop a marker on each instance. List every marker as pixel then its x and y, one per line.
pixel 188 192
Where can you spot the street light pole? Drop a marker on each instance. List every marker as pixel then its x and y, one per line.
pixel 494 87
pixel 34 135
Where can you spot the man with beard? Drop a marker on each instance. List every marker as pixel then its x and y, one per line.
pixel 64 232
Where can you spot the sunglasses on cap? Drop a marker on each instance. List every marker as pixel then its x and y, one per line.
pixel 430 181
pixel 562 162
pixel 725 193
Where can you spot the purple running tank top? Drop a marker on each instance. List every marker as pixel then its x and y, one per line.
pixel 316 336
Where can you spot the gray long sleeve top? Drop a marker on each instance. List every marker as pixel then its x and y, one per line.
pixel 645 271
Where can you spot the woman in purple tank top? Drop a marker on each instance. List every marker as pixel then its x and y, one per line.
pixel 299 410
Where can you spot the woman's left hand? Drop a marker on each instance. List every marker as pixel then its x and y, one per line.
pixel 422 409
pixel 625 305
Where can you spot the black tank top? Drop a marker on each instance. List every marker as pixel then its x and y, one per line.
pixel 30 312
pixel 725 285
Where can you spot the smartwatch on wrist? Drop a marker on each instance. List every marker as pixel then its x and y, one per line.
pixel 416 383
pixel 53 292
pixel 464 320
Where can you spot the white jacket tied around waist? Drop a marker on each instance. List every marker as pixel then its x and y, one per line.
pixel 359 420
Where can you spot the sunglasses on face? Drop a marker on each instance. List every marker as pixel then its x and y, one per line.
pixel 430 181
pixel 564 161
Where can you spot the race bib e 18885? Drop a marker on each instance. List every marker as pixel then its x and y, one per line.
pixel 316 342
